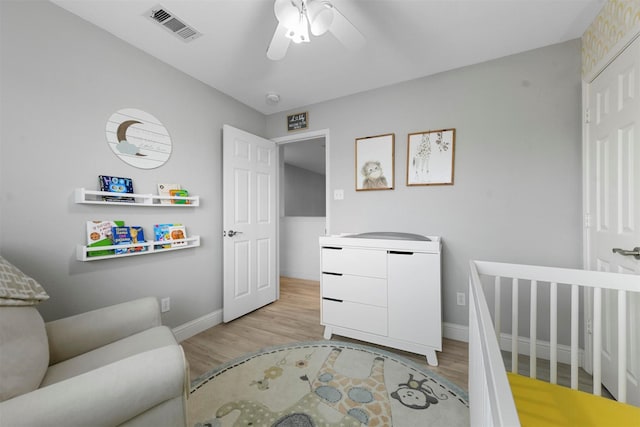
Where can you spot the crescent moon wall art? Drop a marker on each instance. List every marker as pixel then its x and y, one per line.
pixel 138 138
pixel 125 146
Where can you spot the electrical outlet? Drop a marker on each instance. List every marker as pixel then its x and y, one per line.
pixel 461 298
pixel 338 194
pixel 165 304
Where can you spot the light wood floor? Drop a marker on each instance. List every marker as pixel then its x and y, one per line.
pixel 296 317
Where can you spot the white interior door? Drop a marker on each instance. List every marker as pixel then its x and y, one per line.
pixel 613 203
pixel 250 165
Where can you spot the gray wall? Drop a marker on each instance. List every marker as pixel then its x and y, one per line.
pixel 299 250
pixel 517 192
pixel 62 78
pixel 304 192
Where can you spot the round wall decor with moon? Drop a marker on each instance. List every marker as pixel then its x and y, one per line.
pixel 138 138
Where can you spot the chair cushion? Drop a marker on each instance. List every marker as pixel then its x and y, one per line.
pixel 24 351
pixel 150 339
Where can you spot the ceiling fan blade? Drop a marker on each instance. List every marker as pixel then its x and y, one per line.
pixel 345 31
pixel 320 14
pixel 279 44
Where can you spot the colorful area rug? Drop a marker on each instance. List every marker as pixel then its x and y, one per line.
pixel 325 383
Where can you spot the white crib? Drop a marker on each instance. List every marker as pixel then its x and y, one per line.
pixel 491 400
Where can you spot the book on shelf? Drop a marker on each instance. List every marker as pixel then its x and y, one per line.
pixel 164 190
pixel 178 232
pixel 116 184
pixel 127 235
pixel 180 193
pixel 99 233
pixel 168 233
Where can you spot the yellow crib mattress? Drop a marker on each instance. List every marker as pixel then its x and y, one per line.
pixel 541 404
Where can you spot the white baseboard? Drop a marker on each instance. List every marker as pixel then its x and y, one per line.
pixel 189 329
pixel 304 275
pixel 543 348
pixel 456 332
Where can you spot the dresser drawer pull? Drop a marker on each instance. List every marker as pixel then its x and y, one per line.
pixel 335 248
pixel 333 299
pixel 399 253
pixel 332 274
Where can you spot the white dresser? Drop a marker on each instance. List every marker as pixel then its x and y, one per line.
pixel 383 288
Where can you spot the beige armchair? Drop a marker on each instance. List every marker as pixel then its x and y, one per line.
pixel 113 366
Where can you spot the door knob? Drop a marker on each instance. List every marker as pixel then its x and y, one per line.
pixel 232 233
pixel 634 253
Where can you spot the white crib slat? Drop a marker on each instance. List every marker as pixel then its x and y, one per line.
pixel 514 327
pixel 597 341
pixel 497 309
pixel 574 335
pixel 553 333
pixel 533 332
pixel 622 346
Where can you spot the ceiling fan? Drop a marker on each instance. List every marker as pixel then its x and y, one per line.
pixel 296 17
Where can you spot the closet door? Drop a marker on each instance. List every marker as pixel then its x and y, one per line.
pixel 613 210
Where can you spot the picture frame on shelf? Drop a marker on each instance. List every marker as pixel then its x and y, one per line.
pixel 430 157
pixel 375 162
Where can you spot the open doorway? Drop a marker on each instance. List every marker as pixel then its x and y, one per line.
pixel 304 178
pixel 303 206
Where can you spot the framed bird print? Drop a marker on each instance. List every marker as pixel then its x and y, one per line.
pixel 138 138
pixel 430 157
pixel 375 162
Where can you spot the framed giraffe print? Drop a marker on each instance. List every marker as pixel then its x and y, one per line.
pixel 430 156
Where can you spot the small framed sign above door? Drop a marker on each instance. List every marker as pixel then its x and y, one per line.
pixel 298 121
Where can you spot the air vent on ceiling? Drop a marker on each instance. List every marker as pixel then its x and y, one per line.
pixel 169 22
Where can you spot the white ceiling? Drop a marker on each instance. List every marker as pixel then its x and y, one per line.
pixel 406 39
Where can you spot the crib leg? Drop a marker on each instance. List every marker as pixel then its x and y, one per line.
pixel 432 359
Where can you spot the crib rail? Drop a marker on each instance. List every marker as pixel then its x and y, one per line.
pixel 489 405
pixel 490 399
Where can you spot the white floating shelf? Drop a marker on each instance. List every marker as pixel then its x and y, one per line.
pixel 154 247
pixel 90 197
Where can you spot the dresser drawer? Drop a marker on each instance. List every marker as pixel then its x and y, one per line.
pixel 362 317
pixel 366 290
pixel 359 262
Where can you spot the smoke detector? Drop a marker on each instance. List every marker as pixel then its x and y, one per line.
pixel 167 20
pixel 272 98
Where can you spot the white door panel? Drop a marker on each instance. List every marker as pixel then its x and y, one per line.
pixel 249 222
pixel 613 203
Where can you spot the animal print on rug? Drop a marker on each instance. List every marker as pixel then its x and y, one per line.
pixel 325 383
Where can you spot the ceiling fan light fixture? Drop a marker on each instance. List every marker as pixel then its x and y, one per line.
pixel 300 32
pixel 320 16
pixel 287 13
pixel 297 17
